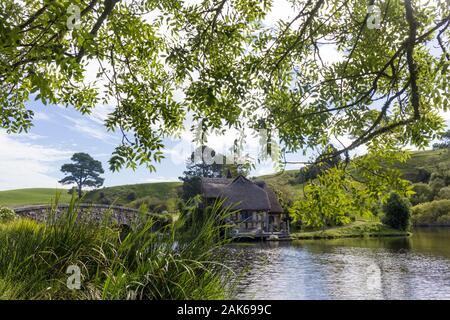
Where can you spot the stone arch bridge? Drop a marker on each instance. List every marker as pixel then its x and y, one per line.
pixel 123 215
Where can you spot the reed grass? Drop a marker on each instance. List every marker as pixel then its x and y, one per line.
pixel 146 262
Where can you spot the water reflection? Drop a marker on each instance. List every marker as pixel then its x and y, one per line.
pixel 387 268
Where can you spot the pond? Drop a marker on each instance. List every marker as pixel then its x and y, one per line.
pixel 417 267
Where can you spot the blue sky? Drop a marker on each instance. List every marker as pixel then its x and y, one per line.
pixel 34 159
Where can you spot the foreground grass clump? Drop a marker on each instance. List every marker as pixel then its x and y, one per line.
pixel 146 262
pixel 357 229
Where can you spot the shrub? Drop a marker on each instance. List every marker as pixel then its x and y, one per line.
pixel 443 194
pixel 105 201
pixel 191 188
pixel 443 220
pixel 434 212
pixel 419 175
pixel 434 176
pixel 72 190
pixel 7 214
pixel 377 209
pixel 158 207
pixel 172 204
pixel 423 175
pixel 397 212
pixel 424 193
pixel 436 184
pixel 153 204
pixel 131 196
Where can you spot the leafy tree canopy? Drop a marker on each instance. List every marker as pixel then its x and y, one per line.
pixel 350 189
pixel 84 172
pixel 232 68
pixel 384 90
pixel 311 171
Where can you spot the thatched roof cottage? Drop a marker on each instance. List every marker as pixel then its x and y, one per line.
pixel 259 211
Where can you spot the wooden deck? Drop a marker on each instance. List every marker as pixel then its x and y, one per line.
pixel 266 236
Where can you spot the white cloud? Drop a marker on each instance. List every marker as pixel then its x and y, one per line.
pixel 90 128
pixel 26 165
pixel 179 153
pixel 161 179
pixel 330 54
pixel 100 113
pixel 446 116
pixel 264 168
pixel 41 116
pixel 25 137
pixel 281 9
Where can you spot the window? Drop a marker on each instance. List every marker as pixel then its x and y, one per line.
pixel 245 215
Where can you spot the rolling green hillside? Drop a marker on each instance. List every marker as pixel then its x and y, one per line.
pixel 429 160
pixel 163 196
pixel 21 197
pixel 283 183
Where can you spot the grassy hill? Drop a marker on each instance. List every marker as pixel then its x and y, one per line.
pixel 160 195
pixel 154 194
pixel 283 182
pixel 21 197
pixel 429 160
pixel 163 195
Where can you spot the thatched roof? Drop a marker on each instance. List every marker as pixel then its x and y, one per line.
pixel 273 199
pixel 242 194
pixel 212 187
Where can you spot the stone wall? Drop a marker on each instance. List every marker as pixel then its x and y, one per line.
pixel 122 215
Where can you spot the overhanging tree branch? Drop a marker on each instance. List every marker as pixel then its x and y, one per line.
pixel 412 67
pixel 109 6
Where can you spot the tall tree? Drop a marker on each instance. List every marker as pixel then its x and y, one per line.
pixel 205 162
pixel 84 172
pixel 198 166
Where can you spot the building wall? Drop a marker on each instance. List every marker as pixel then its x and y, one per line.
pixel 267 222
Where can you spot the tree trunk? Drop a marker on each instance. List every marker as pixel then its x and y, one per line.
pixel 80 184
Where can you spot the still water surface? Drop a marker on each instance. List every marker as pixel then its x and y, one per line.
pixel 417 267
